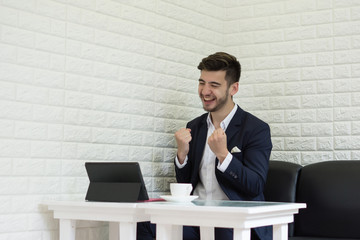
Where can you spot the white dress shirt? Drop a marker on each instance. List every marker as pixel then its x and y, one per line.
pixel 208 187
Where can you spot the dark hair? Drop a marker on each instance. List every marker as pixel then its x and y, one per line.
pixel 222 61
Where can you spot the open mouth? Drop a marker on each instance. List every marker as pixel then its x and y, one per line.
pixel 208 100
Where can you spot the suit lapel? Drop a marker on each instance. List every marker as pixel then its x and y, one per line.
pixel 234 125
pixel 201 140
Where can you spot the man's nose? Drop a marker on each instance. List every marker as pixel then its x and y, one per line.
pixel 206 89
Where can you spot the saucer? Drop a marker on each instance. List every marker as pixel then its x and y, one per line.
pixel 179 199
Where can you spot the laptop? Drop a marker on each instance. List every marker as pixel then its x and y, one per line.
pixel 115 182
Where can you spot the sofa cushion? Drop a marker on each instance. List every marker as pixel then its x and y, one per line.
pixel 281 184
pixel 331 191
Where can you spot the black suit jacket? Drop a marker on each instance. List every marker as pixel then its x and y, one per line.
pixel 245 177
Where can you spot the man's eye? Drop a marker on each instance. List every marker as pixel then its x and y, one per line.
pixel 214 85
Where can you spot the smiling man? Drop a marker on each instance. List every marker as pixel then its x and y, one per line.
pixel 225 152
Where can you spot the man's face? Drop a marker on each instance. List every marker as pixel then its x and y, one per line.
pixel 213 90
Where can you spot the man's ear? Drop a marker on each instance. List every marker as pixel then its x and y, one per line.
pixel 234 88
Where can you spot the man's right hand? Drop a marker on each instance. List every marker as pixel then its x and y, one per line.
pixel 183 138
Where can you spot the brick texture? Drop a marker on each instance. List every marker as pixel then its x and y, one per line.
pixel 112 80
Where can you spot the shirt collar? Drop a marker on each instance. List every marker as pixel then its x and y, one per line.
pixel 225 123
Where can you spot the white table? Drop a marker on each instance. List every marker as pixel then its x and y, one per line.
pixel 240 215
pixel 122 217
pixel 170 217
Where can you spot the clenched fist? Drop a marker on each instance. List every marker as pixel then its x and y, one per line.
pixel 183 138
pixel 218 144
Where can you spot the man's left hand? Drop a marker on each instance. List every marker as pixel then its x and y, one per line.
pixel 217 144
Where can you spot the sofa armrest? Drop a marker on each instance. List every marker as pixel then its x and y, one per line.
pixel 281 181
pixel 281 184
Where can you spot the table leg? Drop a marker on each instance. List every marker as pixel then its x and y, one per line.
pixel 114 231
pixel 167 231
pixel 127 231
pixel 242 234
pixel 207 233
pixel 122 231
pixel 67 229
pixel 280 231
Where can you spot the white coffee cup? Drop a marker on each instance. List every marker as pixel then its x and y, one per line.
pixel 180 189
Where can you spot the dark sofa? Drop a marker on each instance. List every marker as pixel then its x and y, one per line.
pixel 331 191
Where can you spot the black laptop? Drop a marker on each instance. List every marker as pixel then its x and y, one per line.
pixel 115 182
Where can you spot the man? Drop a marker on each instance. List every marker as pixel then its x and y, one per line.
pixel 224 153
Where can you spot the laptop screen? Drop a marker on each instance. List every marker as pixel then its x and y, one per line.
pixel 115 182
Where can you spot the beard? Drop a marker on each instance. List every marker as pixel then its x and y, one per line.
pixel 221 102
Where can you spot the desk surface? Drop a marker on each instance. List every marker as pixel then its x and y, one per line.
pixel 199 204
pixel 141 211
pixel 224 206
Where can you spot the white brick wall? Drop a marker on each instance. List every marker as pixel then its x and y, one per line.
pixel 111 80
pixel 302 62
